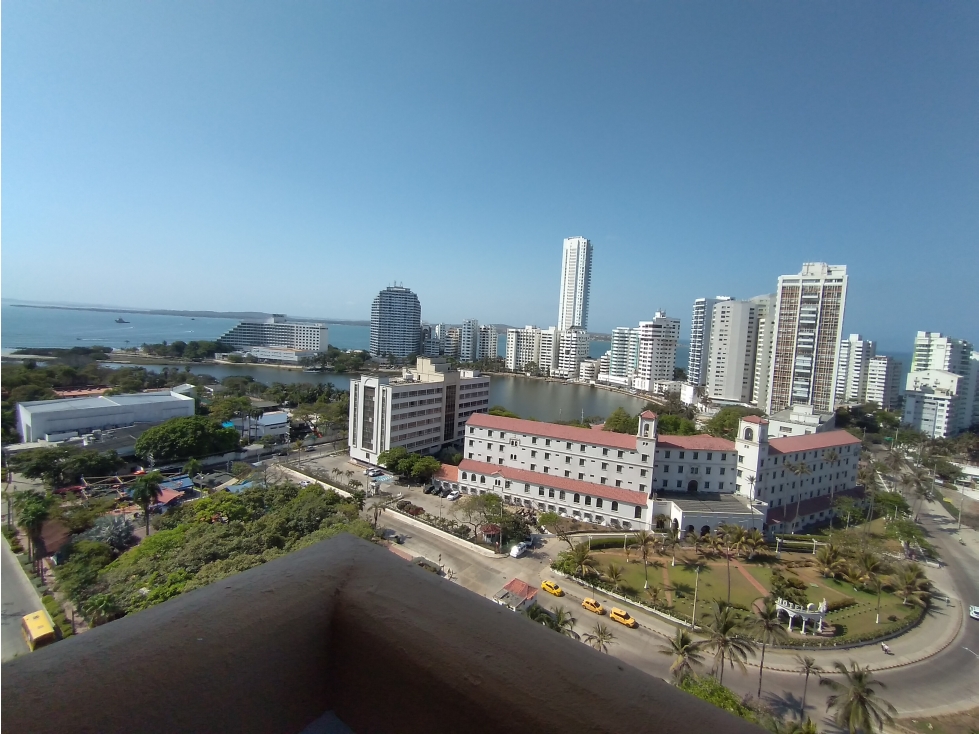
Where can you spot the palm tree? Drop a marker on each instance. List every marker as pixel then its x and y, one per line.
pixel 858 709
pixel 600 637
pixel 100 608
pixel 672 539
pixel 867 571
pixel 653 593
pixel 800 470
pixel 193 467
pixel 564 622
pixel 733 539
pixel 832 563
pixel 894 460
pixel 355 484
pixel 336 473
pixel 613 574
pixel 645 543
pixel 911 584
pixel 753 542
pixel 723 626
pixel 685 652
pixel 32 510
pixel 696 566
pixel 750 479
pixel 379 507
pixel 581 556
pixel 145 492
pixel 807 667
pixel 768 628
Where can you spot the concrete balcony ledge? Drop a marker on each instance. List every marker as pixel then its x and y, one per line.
pixel 347 627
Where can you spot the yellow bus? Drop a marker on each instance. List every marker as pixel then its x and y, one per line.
pixel 38 629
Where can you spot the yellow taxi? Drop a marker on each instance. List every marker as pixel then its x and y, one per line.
pixel 551 588
pixel 593 606
pixel 622 617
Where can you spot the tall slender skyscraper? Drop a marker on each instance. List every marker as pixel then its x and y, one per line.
pixel 575 284
pixel 853 370
pixel 808 327
pixel 396 317
pixel 700 328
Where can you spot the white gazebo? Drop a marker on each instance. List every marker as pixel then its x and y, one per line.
pixel 809 613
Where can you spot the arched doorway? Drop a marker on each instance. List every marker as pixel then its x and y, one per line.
pixel 690 529
pixel 692 486
pixel 705 531
pixel 676 524
pixel 660 524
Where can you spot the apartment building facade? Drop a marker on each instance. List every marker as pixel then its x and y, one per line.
pixel 854 369
pixel 657 350
pixel 731 355
pixel 423 410
pixel 808 324
pixel 575 284
pixel 396 316
pixel 701 320
pixel 277 331
pixel 522 347
pixel 883 382
pixel 572 351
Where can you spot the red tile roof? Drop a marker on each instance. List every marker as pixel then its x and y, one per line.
pixel 812 442
pixel 448 473
pixel 648 415
pixel 521 588
pixel 789 512
pixel 167 496
pixel 555 431
pixel 702 441
pixel 552 481
pixel 754 419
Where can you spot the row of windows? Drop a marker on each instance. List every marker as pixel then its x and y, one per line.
pixel 559 494
pixel 568 444
pixel 693 469
pixel 696 455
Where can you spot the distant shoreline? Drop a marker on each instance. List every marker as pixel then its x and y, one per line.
pixel 193 314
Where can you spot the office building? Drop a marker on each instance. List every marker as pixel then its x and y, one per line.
pixel 808 326
pixel 657 350
pixel 469 341
pixel 276 331
pixel 731 356
pixel 575 284
pixel 624 360
pixel 853 370
pixel 60 420
pixel 522 347
pixel 396 317
pixel 423 410
pixel 934 351
pixel 489 343
pixel 572 351
pixel 700 331
pixel 286 355
pixel 883 382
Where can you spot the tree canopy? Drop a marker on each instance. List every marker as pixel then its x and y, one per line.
pixel 60 466
pixel 725 423
pixel 621 422
pixel 181 438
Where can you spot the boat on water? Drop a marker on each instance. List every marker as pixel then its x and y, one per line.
pixel 121 321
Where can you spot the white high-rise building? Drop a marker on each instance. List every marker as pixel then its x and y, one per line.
pixel 469 341
pixel 731 360
pixel 624 359
pixel 575 284
pixel 700 329
pixel 572 351
pixel 852 373
pixel 431 345
pixel 488 347
pixel 396 317
pixel 883 382
pixel 763 351
pixel 451 341
pixel 550 344
pixel 808 327
pixel 423 410
pixel 933 351
pixel 657 350
pixel 522 347
pixel 276 331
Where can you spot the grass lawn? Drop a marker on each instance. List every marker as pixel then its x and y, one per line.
pixel 851 621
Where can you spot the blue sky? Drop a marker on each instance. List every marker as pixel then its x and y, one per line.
pixel 300 156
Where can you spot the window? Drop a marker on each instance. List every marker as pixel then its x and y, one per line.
pixel 740 459
pixel 569 445
pixel 621 454
pixel 502 434
pixel 561 495
pixel 533 439
pixel 642 472
pixel 598 503
pixel 547 455
pixel 721 485
pixel 581 462
pixel 615 506
pixel 567 459
pixel 472 430
pixel 681 454
pixel 489 446
pixel 587 500
pixel 533 467
pixel 470 442
pixel 490 434
pixel 696 454
pixel 581 476
pixel 567 473
pixel 638 513
pixel 666 455
pixel 618 482
pixel 723 457
pixel 533 454
pixel 577 498
pixel 547 442
pixel 679 469
pixel 604 452
pixel 550 493
pixel 679 484
pixel 540 491
pixel 482 480
pixel 513 442
pixel 546 470
pixel 707 471
pixel 582 447
pixel 739 472
pixel 618 468
pixel 526 489
pixel 464 475
pixel 645 457
pixel 604 465
pixel 722 471
pixel 709 456
pixel 642 487
pixel 603 480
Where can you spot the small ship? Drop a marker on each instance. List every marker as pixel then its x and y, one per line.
pixel 121 321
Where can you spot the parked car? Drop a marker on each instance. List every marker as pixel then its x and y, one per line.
pixel 453 495
pixel 445 492
pixel 374 472
pixel 974 612
pixel 622 617
pixel 551 588
pixel 519 549
pixel 305 483
pixel 310 448
pixel 430 489
pixel 592 605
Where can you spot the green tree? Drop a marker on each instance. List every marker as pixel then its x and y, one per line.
pixel 600 637
pixel 622 422
pixel 613 575
pixel 181 438
pixel 145 492
pixel 832 563
pixel 32 508
pixel 564 622
pixel 100 608
pixel 645 542
pixel 424 469
pixel 807 666
pixel 685 653
pixel 581 559
pixel 502 412
pixel 725 422
pixel 855 703
pixel 911 584
pixel 724 627
pixel 193 467
pixel 767 628
pixel 389 459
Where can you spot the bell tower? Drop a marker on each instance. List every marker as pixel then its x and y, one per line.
pixel 751 444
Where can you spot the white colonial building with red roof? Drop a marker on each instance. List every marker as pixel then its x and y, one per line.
pixel 695 483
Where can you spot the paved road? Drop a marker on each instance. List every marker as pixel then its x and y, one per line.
pixel 18 598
